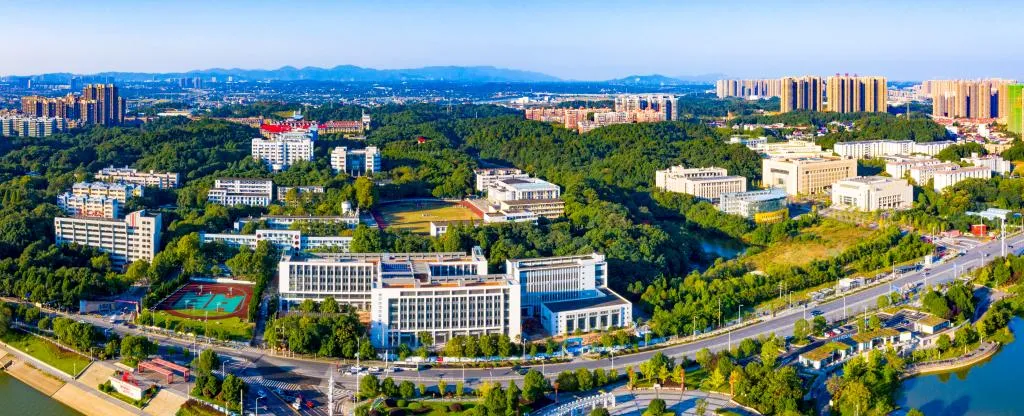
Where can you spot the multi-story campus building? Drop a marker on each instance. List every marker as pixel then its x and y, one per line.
pixel 356 162
pixel 450 294
pixel 872 193
pixel 136 237
pixel 762 205
pixel 854 94
pixel 119 191
pixel 877 148
pixel 748 88
pixel 706 183
pixel 924 172
pixel 804 93
pixel 901 168
pixel 284 222
pixel 946 178
pixel 89 206
pixel 527 194
pixel 282 239
pixel 162 180
pixel 241 191
pixel 995 163
pixel 284 149
pixel 485 178
pixel 21 126
pixel 806 175
pixel 790 148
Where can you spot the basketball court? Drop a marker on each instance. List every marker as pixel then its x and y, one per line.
pixel 212 300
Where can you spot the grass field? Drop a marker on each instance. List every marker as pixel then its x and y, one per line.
pixel 416 216
pixel 232 328
pixel 830 238
pixel 46 351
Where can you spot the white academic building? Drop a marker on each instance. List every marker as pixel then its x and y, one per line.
pixel 995 163
pixel 518 195
pixel 705 183
pixel 241 191
pixel 946 178
pixel 868 149
pixel 901 168
pixel 485 178
pixel 872 193
pixel 356 162
pixel 283 149
pixel 119 191
pixel 163 180
pixel 450 294
pixel 282 239
pixel 136 237
pixel 750 203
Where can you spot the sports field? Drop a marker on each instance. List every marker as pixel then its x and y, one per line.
pixel 416 216
pixel 206 300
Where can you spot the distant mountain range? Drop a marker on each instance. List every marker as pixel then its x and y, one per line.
pixel 351 73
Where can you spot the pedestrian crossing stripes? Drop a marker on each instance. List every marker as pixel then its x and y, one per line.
pixel 274 384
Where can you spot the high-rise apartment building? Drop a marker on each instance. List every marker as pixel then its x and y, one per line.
pixel 1015 108
pixel 855 94
pixel 980 99
pixel 98 104
pixel 666 105
pixel 21 126
pixel 356 162
pixel 803 93
pixel 748 88
pixel 136 237
pixel 109 106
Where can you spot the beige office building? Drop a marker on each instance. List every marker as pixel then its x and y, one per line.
pixel 806 175
pixel 804 93
pixel 854 94
pixel 706 183
pixel 137 237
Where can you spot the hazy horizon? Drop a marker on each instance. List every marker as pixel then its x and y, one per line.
pixel 572 40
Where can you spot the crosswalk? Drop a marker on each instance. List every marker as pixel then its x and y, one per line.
pixel 274 384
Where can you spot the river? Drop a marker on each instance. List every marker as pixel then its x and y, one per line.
pixel 988 388
pixel 20 399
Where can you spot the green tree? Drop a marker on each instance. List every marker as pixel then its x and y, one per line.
pixel 207 362
pixel 534 385
pixel 599 411
pixel 137 348
pixel 820 324
pixel 231 390
pixel 366 192
pixel 329 305
pixel 512 398
pixel 655 408
pixel 801 329
pixel 406 389
pixel 388 387
pixel 943 343
pixel 369 387
pixel 425 338
pixel 442 387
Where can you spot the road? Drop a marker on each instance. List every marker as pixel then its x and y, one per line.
pixel 290 373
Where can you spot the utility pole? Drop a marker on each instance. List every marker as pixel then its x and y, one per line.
pixel 1002 233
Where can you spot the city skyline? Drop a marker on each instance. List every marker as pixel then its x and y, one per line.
pixel 565 40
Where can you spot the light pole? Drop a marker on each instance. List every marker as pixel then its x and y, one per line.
pixel 258 405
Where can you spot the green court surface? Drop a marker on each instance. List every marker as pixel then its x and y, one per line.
pixel 209 302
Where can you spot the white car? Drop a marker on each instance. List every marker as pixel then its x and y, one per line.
pixel 374 369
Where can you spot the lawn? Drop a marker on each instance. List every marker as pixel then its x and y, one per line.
pixel 201 313
pixel 47 352
pixel 416 216
pixel 824 240
pixel 232 328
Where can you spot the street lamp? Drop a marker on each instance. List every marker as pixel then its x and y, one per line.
pixel 258 405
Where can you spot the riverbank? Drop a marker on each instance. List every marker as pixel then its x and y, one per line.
pixel 61 387
pixel 984 351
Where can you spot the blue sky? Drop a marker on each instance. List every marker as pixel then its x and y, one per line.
pixel 583 40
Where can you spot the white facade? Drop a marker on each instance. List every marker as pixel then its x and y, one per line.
pixel 485 178
pixel 282 239
pixel 791 148
pixel 946 178
pixel 163 180
pixel 901 168
pixel 241 191
pixel 119 191
pixel 356 162
pixel 283 150
pixel 518 189
pixel 878 148
pixel 747 204
pixel 600 313
pixel 706 183
pixel 872 193
pixel 995 163
pixel 87 206
pixel 557 278
pixel 22 126
pixel 921 174
pixel 137 237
